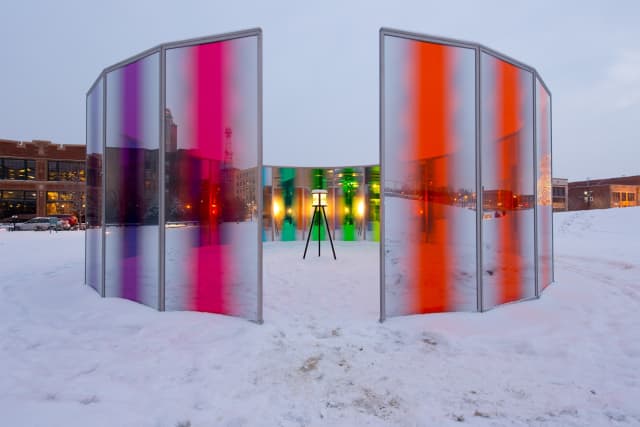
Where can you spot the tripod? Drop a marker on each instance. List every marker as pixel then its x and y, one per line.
pixel 316 211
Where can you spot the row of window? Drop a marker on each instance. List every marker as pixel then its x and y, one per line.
pixel 558 191
pixel 65 171
pixel 621 196
pixel 17 169
pixel 22 203
pixel 57 170
pixel 17 203
pixel 64 202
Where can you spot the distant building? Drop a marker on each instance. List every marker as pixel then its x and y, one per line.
pixel 559 193
pixel 604 193
pixel 40 178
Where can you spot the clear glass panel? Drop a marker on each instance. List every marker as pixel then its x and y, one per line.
pixel 268 231
pixel 545 202
pixel 93 235
pixel 132 133
pixel 507 182
pixel 212 147
pixel 429 177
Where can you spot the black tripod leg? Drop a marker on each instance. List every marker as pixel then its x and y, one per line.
pixel 330 239
pixel 319 227
pixel 309 235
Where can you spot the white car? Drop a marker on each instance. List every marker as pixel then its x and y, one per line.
pixel 40 223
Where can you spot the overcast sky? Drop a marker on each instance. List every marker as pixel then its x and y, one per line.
pixel 321 67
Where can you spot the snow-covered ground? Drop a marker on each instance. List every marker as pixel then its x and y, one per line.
pixel 571 358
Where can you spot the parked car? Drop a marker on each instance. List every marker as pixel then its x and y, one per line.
pixel 40 223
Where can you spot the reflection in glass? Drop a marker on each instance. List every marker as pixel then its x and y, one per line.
pixel 353 203
pixel 507 180
pixel 132 135
pixel 545 206
pixel 372 180
pixel 211 177
pixel 429 177
pixel 93 214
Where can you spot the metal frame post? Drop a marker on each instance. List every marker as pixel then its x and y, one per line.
pixel 162 183
pixel 259 192
pixel 381 130
pixel 479 188
pixel 535 190
pixel 103 208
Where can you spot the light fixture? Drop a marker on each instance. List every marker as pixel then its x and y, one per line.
pixel 360 209
pixel 319 198
pixel 319 201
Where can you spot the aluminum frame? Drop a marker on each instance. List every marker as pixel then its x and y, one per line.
pixel 103 292
pixel 162 181
pixel 259 193
pixel 161 50
pixel 479 186
pixel 381 122
pixel 535 189
pixel 535 76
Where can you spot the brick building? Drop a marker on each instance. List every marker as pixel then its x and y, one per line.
pixel 40 178
pixel 604 193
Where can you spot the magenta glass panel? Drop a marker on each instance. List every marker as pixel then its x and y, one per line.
pixel 508 272
pixel 132 135
pixel 212 174
pixel 545 204
pixel 93 214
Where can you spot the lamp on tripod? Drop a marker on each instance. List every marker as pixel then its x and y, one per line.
pixel 319 198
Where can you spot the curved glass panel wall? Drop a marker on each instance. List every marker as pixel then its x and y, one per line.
pixel 183 152
pixel 459 161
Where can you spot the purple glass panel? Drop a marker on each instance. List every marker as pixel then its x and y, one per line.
pixel 132 202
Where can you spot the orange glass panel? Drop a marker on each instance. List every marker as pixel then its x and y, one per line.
pixel 429 173
pixel 507 180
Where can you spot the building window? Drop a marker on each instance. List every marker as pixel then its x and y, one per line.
pixel 631 197
pixel 558 191
pixel 65 171
pixel 21 203
pixel 17 169
pixel 616 196
pixel 64 202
